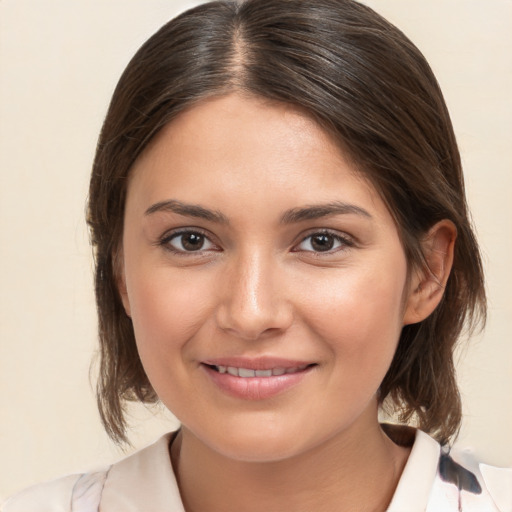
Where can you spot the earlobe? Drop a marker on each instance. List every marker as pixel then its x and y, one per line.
pixel 427 284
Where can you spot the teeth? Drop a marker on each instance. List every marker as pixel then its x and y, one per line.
pixel 292 370
pixel 248 372
pixel 244 372
pixel 263 373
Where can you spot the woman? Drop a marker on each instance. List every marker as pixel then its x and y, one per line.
pixel 283 248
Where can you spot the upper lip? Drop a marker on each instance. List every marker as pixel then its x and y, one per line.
pixel 256 363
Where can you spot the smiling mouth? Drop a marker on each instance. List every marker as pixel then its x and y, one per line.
pixel 250 373
pixel 264 380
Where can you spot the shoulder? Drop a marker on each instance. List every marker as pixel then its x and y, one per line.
pixel 141 482
pixel 463 483
pixel 436 481
pixel 498 482
pixel 54 495
pixel 73 492
pixel 477 484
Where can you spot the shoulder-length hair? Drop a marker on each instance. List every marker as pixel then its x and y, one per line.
pixel 363 81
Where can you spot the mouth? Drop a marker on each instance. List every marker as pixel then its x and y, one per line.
pixel 258 379
pixel 248 373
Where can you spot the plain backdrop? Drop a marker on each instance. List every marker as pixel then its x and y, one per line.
pixel 59 63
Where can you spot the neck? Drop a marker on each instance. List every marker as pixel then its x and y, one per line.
pixel 334 476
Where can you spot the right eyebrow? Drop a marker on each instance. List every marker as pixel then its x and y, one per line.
pixel 188 210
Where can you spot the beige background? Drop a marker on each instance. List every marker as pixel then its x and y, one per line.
pixel 59 62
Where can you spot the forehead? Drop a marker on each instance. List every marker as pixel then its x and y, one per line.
pixel 247 146
pixel 223 123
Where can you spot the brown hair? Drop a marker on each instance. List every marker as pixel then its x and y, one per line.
pixel 369 86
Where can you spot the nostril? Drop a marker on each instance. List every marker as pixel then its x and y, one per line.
pixel 255 320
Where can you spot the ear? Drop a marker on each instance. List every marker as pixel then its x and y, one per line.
pixel 120 279
pixel 426 287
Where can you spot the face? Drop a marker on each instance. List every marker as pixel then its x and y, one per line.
pixel 265 279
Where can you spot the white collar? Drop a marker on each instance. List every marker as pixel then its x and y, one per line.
pixel 145 482
pixel 413 490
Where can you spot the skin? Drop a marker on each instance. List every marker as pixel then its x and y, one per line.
pixel 259 286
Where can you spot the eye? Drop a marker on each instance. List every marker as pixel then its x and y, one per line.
pixel 323 242
pixel 188 241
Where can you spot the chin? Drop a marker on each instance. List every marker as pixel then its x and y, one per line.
pixel 259 442
pixel 264 441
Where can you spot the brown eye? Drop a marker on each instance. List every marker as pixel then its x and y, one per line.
pixel 323 242
pixel 192 241
pixel 189 241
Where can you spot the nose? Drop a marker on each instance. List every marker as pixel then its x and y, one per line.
pixel 253 302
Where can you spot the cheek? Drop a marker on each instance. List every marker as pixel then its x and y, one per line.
pixel 167 309
pixel 359 315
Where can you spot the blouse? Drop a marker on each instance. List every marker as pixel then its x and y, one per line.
pixel 432 481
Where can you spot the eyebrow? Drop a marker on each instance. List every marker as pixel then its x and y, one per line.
pixel 292 216
pixel 318 211
pixel 189 210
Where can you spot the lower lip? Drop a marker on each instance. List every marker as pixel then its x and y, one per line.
pixel 255 388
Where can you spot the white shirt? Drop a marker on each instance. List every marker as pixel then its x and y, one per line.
pixel 145 482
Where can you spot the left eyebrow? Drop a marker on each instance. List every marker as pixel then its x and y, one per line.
pixel 318 211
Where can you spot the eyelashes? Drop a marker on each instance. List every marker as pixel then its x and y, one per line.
pixel 323 242
pixel 188 241
pixel 194 241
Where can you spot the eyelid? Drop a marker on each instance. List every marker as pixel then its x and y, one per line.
pixel 345 240
pixel 164 240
